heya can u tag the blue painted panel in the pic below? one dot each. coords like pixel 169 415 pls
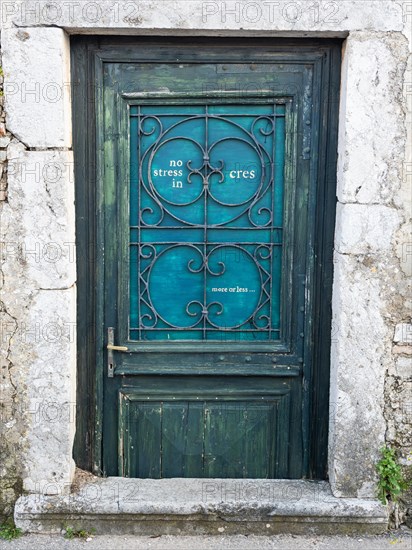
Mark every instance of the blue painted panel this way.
pixel 206 217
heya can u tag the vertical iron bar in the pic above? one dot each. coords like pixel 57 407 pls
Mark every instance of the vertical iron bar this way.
pixel 206 190
pixel 273 185
pixel 139 221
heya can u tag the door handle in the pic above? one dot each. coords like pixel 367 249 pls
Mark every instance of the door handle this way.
pixel 110 349
pixel 117 348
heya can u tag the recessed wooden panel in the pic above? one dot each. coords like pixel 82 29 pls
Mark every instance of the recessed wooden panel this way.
pixel 235 438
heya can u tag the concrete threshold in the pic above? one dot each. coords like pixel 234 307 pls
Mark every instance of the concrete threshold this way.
pixel 117 505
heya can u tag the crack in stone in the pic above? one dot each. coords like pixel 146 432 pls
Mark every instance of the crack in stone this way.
pixel 49 203
pixel 58 288
pixel 8 348
pixel 39 149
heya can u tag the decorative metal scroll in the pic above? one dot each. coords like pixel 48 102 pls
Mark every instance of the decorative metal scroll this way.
pixel 206 221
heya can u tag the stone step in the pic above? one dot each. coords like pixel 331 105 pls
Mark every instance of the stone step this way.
pixel 200 506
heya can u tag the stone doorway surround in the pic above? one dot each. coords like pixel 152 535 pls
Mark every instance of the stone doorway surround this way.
pixel 371 237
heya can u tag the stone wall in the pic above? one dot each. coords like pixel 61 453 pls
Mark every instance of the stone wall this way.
pixel 398 404
pixel 37 315
pixel 11 422
pixel 4 139
pixel 370 281
pixel 371 373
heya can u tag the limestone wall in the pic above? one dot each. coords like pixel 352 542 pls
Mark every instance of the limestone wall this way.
pixel 371 356
pixel 38 315
pixel 11 424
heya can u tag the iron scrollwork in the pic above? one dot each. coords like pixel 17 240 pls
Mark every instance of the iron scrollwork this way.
pixel 206 223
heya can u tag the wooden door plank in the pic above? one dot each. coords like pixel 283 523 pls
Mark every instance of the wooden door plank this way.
pixel 182 439
pixel 261 429
pixel 146 439
pixel 225 426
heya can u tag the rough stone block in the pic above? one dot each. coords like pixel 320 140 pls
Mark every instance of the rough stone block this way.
pixel 371 138
pixel 37 86
pixel 404 367
pixel 403 334
pixel 189 506
pixel 209 15
pixel 40 218
pixel 357 424
pixel 363 229
pixel 49 329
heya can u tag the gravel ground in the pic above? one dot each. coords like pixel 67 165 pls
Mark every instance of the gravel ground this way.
pixel 401 539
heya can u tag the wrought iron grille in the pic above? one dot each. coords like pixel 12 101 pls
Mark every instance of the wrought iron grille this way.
pixel 206 221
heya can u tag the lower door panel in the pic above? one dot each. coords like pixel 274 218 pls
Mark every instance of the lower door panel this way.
pixel 248 429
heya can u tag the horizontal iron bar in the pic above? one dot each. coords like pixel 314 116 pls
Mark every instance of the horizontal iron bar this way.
pixel 192 116
pixel 215 244
pixel 217 227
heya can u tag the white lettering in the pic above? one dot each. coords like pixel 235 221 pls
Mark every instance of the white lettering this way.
pixel 246 174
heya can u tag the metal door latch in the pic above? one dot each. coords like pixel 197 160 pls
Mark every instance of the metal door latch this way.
pixel 117 348
pixel 110 349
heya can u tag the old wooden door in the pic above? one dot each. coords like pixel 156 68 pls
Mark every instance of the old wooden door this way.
pixel 211 286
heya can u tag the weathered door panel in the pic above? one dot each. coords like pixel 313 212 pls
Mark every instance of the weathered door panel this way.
pixel 210 284
pixel 166 430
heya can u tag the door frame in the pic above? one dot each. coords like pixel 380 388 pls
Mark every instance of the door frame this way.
pixel 88 56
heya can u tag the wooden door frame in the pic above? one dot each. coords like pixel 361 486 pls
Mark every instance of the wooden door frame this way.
pixel 88 54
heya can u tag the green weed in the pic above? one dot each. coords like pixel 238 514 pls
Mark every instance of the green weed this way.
pixel 72 533
pixel 8 531
pixel 391 480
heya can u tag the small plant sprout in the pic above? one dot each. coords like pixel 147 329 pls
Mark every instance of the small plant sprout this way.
pixel 391 481
pixel 8 531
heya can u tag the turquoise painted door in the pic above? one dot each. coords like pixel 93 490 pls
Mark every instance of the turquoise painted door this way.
pixel 205 253
pixel 206 221
pixel 207 285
